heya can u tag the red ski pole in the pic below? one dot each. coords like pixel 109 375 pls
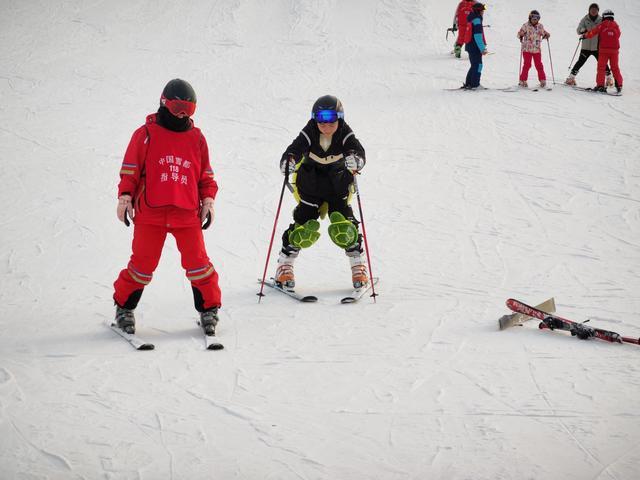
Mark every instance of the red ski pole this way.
pixel 364 235
pixel 273 232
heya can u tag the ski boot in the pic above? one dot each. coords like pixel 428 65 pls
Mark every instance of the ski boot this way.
pixel 543 83
pixel 209 320
pixel 359 276
pixel 571 80
pixel 457 50
pixel 619 89
pixel 600 89
pixel 523 84
pixel 284 273
pixel 609 82
pixel 125 320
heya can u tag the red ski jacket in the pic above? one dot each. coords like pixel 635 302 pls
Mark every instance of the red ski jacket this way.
pixel 609 34
pixel 168 174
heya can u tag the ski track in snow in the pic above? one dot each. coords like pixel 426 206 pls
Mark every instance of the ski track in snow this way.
pixel 469 198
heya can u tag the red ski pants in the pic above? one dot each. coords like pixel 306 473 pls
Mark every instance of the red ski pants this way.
pixel 148 241
pixel 610 56
pixel 537 60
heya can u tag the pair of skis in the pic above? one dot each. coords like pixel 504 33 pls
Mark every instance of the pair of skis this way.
pixel 593 90
pixel 137 342
pixel 353 297
pixel 578 329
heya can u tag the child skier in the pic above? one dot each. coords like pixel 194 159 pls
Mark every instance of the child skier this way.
pixel 531 35
pixel 166 181
pixel 323 160
pixel 609 52
pixel 460 23
pixel 589 46
pixel 475 45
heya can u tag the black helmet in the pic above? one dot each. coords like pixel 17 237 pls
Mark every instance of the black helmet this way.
pixel 607 14
pixel 327 109
pixel 534 14
pixel 179 98
pixel 479 7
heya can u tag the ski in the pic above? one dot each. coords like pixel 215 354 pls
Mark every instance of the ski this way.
pixel 592 90
pixel 506 321
pixel 290 292
pixel 211 342
pixel 358 293
pixel 580 330
pixel 518 88
pixel 134 340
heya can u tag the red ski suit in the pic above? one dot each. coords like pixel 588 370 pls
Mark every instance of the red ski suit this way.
pixel 462 12
pixel 608 50
pixel 167 174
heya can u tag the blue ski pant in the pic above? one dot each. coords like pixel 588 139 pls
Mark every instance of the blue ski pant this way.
pixel 475 70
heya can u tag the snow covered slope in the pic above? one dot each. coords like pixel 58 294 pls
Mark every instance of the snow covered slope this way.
pixel 469 198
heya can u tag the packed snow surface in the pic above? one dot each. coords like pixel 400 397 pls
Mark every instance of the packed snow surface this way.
pixel 469 198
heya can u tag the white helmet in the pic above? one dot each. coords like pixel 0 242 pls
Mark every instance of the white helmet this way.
pixel 607 14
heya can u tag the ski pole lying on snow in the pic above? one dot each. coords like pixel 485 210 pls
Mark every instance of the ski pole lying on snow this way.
pixel 275 224
pixel 364 236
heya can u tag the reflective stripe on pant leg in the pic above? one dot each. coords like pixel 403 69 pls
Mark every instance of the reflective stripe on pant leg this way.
pixel 199 269
pixel 147 244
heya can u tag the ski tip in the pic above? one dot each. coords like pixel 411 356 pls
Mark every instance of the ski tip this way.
pixel 215 346
pixel 309 299
pixel 147 346
pixel 348 300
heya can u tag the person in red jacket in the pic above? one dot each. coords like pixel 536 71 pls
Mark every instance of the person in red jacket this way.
pixel 609 50
pixel 460 24
pixel 167 186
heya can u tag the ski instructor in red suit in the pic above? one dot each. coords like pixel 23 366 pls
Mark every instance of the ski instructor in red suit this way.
pixel 167 186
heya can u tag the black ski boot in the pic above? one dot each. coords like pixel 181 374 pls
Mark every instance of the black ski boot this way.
pixel 125 320
pixel 209 320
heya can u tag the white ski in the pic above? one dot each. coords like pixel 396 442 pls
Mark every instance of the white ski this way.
pixel 292 293
pixel 358 293
pixel 135 341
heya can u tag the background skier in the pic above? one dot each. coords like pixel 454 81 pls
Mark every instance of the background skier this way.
pixel 589 46
pixel 460 23
pixel 166 180
pixel 531 35
pixel 323 159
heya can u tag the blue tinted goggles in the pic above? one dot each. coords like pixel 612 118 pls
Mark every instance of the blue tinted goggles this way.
pixel 327 116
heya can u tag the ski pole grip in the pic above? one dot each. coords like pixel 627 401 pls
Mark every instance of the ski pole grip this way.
pixel 126 218
pixel 207 221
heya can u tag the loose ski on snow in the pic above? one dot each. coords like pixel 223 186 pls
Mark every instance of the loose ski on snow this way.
pixel 358 293
pixel 580 330
pixel 290 292
pixel 506 321
pixel 134 340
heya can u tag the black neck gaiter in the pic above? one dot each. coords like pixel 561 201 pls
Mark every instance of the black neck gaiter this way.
pixel 171 122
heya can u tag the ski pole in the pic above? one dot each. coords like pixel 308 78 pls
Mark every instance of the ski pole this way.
pixel 275 224
pixel 364 235
pixel 553 78
pixel 574 53
pixel 520 67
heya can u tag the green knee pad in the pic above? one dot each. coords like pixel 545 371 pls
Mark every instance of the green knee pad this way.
pixel 303 236
pixel 343 232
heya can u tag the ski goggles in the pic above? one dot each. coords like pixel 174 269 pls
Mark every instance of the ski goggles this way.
pixel 534 17
pixel 327 116
pixel 179 108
